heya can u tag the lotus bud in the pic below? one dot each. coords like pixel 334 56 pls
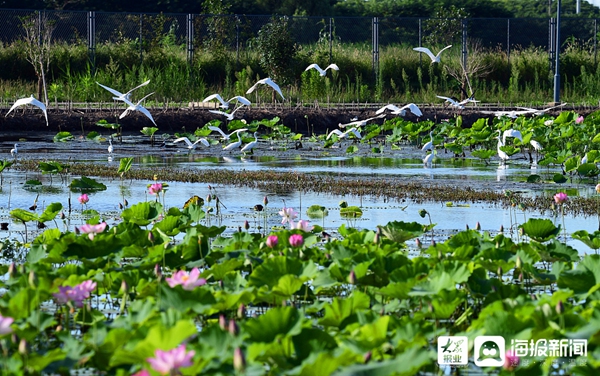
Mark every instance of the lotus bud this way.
pixel 328 256
pixel 560 307
pixel 126 202
pixel 21 269
pixel 59 328
pixel 518 263
pixel 376 238
pixel 62 216
pixel 208 198
pixel 239 362
pixel 352 277
pixel 467 227
pixel 418 243
pixel 221 284
pixel 246 225
pixel 158 272
pixel 120 206
pixel 533 297
pixel 124 287
pixel 501 228
pixel 494 288
pixel 521 231
pixel 209 187
pixel 32 279
pixel 433 243
pixel 478 226
pixel 239 228
pixel 14 338
pixel 222 322
pixel 12 269
pixel 265 201
pixel 272 241
pixel 23 347
pixel 521 277
pixel 151 237
pixel 499 272
pixel 422 213
pixel 367 357
pixel 233 328
pixel 430 307
pixel 382 311
pixel 76 230
pixel 241 312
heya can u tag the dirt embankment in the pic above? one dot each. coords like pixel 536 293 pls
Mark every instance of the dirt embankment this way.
pixel 305 120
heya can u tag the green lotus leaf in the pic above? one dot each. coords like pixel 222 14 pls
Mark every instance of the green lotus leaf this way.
pixel 571 164
pixel 540 230
pixel 316 212
pixel 63 137
pixel 584 277
pixel 169 225
pixel 400 232
pixel 51 167
pixel 149 131
pixel 50 212
pixel 142 213
pixel 445 276
pixel 534 178
pixel 5 164
pixel 591 240
pixel 340 309
pixel 276 323
pixel 409 362
pixel 351 149
pixel 23 215
pixel 351 212
pixel 125 165
pixel 86 184
pixel 104 123
pixel 588 170
pixel 483 153
pixel 270 271
pixel 559 178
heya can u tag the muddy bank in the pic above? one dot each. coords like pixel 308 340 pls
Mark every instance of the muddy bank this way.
pixel 305 120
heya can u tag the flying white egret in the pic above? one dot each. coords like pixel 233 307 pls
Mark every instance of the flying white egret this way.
pixel 429 145
pixel 523 111
pixel 321 71
pixel 360 123
pixel 395 110
pixel 14 151
pixel 120 96
pixel 341 134
pixel 224 103
pixel 225 136
pixel 228 116
pixel 452 102
pixel 251 145
pixel 434 58
pixel 235 145
pixel 266 81
pixel 137 107
pixel 32 101
pixel 189 143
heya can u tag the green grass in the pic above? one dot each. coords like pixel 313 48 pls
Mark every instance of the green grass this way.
pixel 403 76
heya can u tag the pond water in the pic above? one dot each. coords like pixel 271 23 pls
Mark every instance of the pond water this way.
pixel 238 202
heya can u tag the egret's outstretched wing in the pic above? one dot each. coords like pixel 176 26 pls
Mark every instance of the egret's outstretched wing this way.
pixel 217 129
pixel 217 97
pixel 137 87
pixel 336 132
pixel 414 109
pixel 442 50
pixel 275 87
pixel 187 141
pixel 242 100
pixel 333 66
pixel 426 51
pixel 391 107
pixel 317 67
pixel 113 91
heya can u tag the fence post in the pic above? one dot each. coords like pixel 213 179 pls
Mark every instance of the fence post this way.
pixel 141 36
pixel 420 41
pixel 375 40
pixel 464 43
pixel 595 40
pixel 190 38
pixel 237 43
pixel 508 40
pixel 557 49
pixel 551 43
pixel 91 36
pixel 330 40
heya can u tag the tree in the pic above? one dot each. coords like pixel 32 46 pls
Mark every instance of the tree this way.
pixel 277 48
pixel 36 43
pixel 445 25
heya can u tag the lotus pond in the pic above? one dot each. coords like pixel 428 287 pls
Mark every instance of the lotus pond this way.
pixel 346 268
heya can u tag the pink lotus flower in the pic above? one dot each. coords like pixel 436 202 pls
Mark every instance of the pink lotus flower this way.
pixel 303 225
pixel 142 373
pixel 188 281
pixel 560 198
pixel 92 230
pixel 511 361
pixel 288 215
pixel 272 241
pixel 76 294
pixel 296 240
pixel 155 188
pixel 169 362
pixel 83 199
pixel 5 323
pixel 579 120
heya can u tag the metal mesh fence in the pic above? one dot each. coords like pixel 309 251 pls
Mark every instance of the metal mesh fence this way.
pixel 197 31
